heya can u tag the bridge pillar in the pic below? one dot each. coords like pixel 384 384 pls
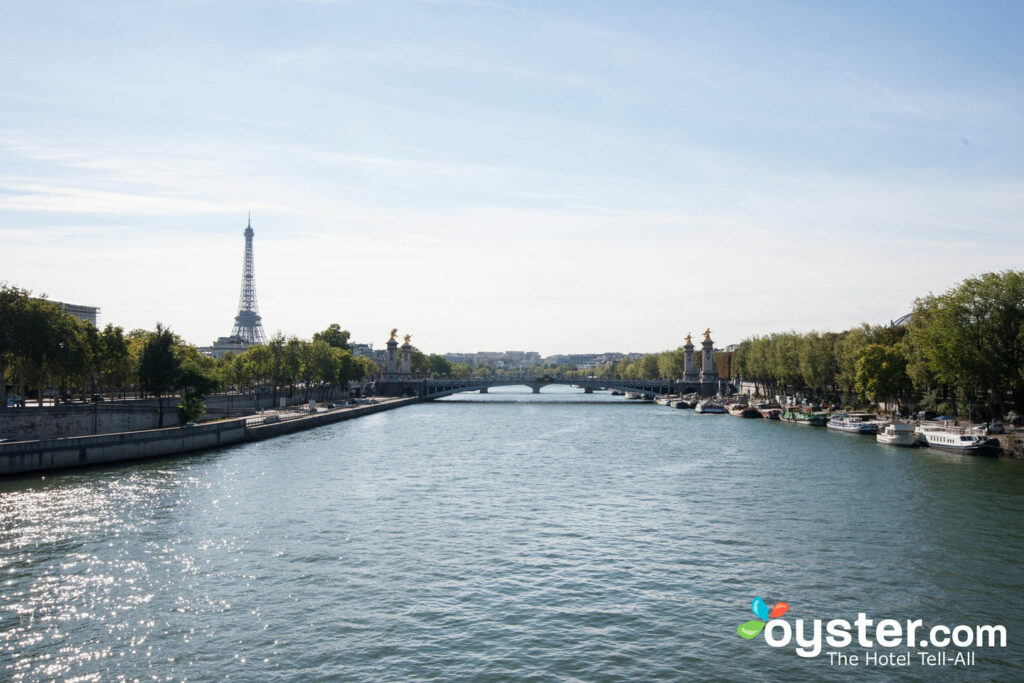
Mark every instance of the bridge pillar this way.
pixel 406 358
pixel 536 389
pixel 588 390
pixel 708 372
pixel 690 373
pixel 484 390
pixel 392 357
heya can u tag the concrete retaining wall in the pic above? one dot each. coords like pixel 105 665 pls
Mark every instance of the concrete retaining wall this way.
pixel 58 422
pixel 31 456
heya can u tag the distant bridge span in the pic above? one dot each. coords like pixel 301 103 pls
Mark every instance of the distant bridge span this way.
pixel 438 388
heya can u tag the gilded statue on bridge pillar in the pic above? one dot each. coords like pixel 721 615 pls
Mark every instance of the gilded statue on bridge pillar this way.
pixel 707 334
pixel 407 338
pixel 394 333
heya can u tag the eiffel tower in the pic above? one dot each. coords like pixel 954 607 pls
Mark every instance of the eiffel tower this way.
pixel 248 324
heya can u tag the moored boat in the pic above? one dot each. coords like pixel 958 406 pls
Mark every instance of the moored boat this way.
pixel 709 406
pixel 742 410
pixel 806 419
pixel 769 411
pixel 852 424
pixel 897 434
pixel 954 439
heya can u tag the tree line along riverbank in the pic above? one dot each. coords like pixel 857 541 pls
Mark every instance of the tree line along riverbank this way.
pixel 960 352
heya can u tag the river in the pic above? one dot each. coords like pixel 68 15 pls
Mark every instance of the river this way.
pixel 505 536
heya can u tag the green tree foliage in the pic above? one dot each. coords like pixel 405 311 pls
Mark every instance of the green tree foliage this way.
pixel 114 360
pixel 159 365
pixel 334 336
pixel 14 312
pixel 196 383
pixel 672 363
pixel 882 373
pixel 49 347
pixel 438 366
pixel 418 361
pixel 963 348
pixel 818 366
pixel 971 338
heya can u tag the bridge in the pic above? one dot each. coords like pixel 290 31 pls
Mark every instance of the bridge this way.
pixel 399 380
pixel 438 388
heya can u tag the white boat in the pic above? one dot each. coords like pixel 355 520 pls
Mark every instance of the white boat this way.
pixel 709 407
pixel 897 434
pixel 954 439
pixel 852 424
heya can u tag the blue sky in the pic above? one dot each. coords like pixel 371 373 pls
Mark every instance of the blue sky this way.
pixel 494 175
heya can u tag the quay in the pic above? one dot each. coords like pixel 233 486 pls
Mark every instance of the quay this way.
pixel 20 457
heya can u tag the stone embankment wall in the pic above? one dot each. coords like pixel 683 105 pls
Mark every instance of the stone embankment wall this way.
pixel 31 456
pixel 58 422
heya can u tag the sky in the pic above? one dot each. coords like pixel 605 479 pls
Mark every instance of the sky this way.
pixel 562 177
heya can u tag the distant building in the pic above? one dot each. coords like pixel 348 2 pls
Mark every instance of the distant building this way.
pixel 497 359
pixel 468 358
pixel 367 351
pixel 225 345
pixel 90 313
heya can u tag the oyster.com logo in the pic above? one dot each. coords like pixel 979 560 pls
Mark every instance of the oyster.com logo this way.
pixel 883 642
pixel 760 609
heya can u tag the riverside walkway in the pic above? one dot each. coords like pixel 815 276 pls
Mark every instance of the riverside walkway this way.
pixel 19 457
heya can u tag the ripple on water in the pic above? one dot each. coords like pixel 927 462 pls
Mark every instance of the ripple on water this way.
pixel 496 540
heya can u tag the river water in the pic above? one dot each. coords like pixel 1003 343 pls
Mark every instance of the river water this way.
pixel 504 537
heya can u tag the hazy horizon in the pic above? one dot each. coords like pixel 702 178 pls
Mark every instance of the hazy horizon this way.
pixel 490 176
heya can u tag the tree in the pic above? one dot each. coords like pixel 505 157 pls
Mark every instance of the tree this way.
pixel 114 361
pixel 369 368
pixel 39 345
pixel 672 363
pixel 14 303
pixel 159 366
pixel 196 383
pixel 847 351
pixel 817 360
pixel 334 337
pixel 275 361
pixel 417 361
pixel 972 338
pixel 320 364
pixel 73 352
pixel 647 367
pixel 881 373
pixel 438 366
